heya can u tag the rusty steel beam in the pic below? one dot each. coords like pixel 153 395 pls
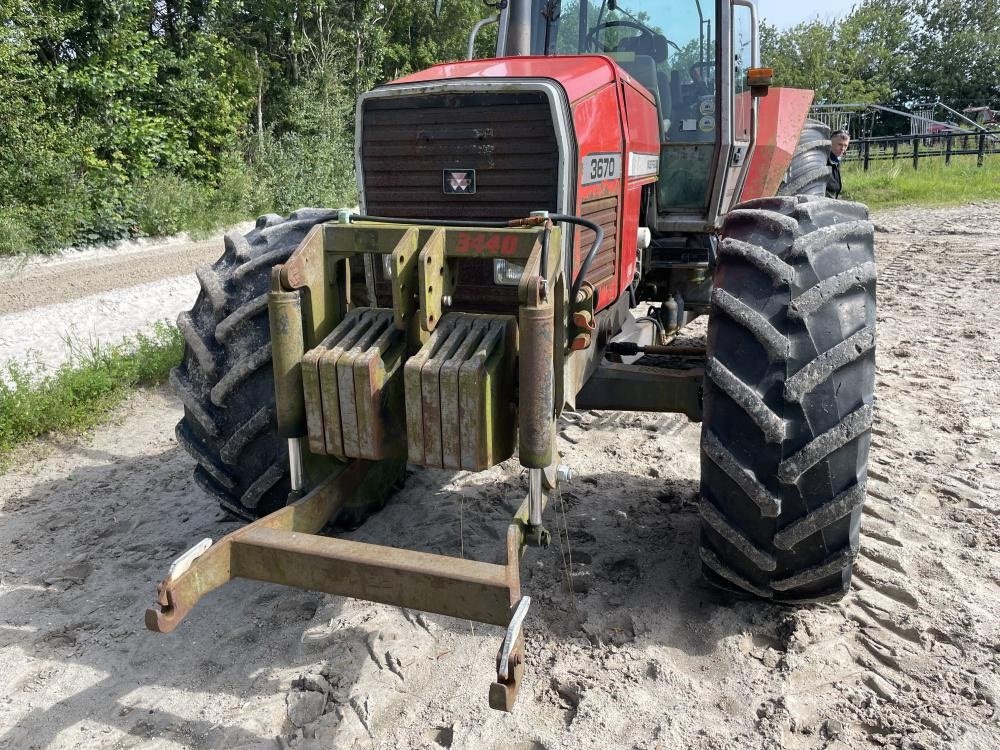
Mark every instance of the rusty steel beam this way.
pixel 416 580
pixel 283 548
pixel 621 387
pixel 177 594
pixel 673 351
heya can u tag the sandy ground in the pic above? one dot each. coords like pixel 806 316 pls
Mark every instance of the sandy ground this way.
pixel 638 654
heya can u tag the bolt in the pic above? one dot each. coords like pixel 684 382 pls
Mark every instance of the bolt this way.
pixel 565 473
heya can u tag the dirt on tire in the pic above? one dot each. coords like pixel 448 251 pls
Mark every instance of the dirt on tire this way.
pixel 626 645
pixel 789 385
pixel 225 380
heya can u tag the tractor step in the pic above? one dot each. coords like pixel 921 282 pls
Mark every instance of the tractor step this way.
pixel 284 548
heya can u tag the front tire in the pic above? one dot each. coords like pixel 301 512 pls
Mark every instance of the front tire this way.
pixel 225 379
pixel 789 393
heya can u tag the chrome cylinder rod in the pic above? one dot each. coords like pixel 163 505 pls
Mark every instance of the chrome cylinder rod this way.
pixel 295 462
pixel 535 497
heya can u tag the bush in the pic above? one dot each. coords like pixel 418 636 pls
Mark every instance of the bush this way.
pixel 15 235
pixel 312 164
pixel 168 204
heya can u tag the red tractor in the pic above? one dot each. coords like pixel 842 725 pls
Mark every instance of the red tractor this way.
pixel 534 231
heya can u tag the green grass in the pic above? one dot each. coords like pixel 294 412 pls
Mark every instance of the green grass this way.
pixel 81 392
pixel 888 184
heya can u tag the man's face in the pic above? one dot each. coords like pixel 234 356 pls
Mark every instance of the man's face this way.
pixel 839 145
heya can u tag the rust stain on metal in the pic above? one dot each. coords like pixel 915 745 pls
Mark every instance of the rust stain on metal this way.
pixel 353 380
pixel 404 274
pixel 459 393
pixel 435 281
pixel 283 548
pixel 535 385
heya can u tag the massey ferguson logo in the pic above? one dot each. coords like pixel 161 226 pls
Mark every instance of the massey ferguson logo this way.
pixel 459 182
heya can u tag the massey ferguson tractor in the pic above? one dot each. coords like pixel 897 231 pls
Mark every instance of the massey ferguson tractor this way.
pixel 534 231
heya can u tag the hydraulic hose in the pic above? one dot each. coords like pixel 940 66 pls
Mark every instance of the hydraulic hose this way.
pixel 591 254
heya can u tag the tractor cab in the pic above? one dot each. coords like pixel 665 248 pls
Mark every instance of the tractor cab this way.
pixel 672 49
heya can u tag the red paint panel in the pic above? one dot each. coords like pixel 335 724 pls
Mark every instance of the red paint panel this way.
pixel 642 136
pixel 579 75
pixel 780 116
pixel 612 115
pixel 643 128
pixel 597 123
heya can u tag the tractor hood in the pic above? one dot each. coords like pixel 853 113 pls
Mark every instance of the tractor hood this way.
pixel 579 75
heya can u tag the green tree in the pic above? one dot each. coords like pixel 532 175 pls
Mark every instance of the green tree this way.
pixel 955 47
pixel 860 58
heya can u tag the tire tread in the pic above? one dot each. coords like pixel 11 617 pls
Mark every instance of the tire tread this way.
pixel 788 401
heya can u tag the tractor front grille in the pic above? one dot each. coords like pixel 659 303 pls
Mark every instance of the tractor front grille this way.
pixel 507 138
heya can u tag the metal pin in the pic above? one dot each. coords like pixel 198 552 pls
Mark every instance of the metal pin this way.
pixel 535 497
pixel 295 462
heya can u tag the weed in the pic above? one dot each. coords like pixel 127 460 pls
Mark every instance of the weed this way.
pixel 81 392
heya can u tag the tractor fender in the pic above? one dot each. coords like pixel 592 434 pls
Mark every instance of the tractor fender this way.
pixel 780 117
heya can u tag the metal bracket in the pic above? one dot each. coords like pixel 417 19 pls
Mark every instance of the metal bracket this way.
pixel 510 661
pixel 512 634
pixel 404 266
pixel 284 548
pixel 435 280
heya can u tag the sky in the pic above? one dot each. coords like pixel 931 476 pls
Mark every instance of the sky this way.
pixel 786 13
pixel 781 13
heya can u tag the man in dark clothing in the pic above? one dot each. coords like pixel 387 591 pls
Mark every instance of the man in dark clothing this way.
pixel 839 142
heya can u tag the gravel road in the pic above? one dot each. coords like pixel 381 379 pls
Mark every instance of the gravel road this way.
pixel 50 306
pixel 639 654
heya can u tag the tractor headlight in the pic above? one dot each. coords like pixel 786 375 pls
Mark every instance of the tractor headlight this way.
pixel 506 273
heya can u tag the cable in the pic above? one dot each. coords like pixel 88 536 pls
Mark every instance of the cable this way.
pixel 655 321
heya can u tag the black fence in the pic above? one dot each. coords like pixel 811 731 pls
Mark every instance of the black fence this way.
pixel 917 147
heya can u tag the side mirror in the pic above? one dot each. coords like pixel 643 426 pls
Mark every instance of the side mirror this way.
pixel 759 80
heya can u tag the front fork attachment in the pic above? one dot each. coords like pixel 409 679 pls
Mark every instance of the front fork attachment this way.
pixel 284 547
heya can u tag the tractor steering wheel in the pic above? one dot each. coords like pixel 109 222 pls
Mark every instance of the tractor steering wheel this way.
pixel 644 31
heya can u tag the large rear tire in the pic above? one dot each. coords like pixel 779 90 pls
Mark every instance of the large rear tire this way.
pixel 788 400
pixel 809 171
pixel 225 380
